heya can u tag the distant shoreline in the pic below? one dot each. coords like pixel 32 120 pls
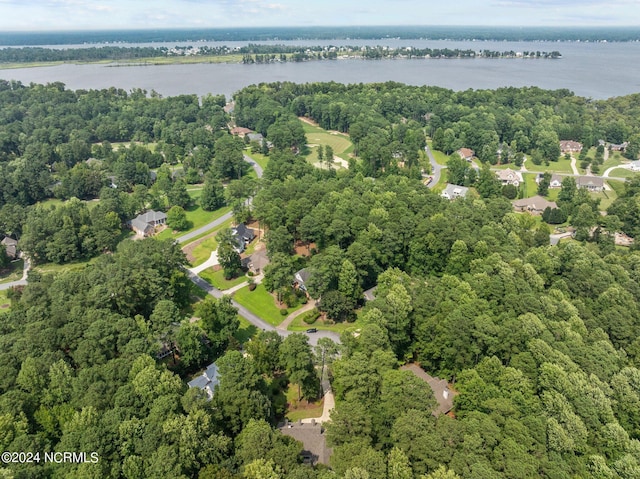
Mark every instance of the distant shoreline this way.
pixel 381 33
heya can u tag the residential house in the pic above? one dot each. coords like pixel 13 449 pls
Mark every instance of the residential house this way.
pixel 300 279
pixel 11 247
pixel 535 205
pixel 240 131
pixel 207 381
pixel 257 137
pixel 556 180
pixel 229 107
pixel 570 146
pixel 145 224
pixel 619 147
pixel 242 236
pixel 509 177
pixel 451 192
pixel 441 392
pixel 313 439
pixel 466 153
pixel 591 183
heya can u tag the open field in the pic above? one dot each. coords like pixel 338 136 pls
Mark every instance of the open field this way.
pixel 196 215
pixel 606 198
pixel 261 303
pixel 53 268
pixel 14 272
pixel 340 142
pixel 615 159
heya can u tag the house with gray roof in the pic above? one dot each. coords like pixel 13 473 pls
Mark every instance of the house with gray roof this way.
pixel 451 192
pixel 300 278
pixel 441 392
pixel 207 381
pixel 313 438
pixel 242 236
pixel 534 205
pixel 590 183
pixel 11 247
pixel 145 224
pixel 255 137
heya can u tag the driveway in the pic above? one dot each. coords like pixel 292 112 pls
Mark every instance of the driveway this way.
pixel 436 169
pixel 19 282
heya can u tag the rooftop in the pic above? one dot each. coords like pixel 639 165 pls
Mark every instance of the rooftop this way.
pixel 440 389
pixel 313 440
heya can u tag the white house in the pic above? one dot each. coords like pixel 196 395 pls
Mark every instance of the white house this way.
pixel 207 381
pixel 451 192
pixel 509 177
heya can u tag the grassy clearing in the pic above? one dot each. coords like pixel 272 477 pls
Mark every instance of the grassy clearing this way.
pixel 5 303
pixel 246 331
pixel 197 216
pixel 622 173
pixel 216 279
pixel 560 166
pixel 530 185
pixel 259 158
pixel 53 268
pixel 439 156
pixel 261 303
pixel 617 186
pixel 615 159
pixel 299 325
pixel 606 198
pixel 13 273
pixel 340 142
pixel 301 409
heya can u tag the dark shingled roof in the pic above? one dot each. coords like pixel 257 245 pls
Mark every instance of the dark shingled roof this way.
pixel 313 439
pixel 440 389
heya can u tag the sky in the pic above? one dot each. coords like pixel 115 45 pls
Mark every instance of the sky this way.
pixel 33 15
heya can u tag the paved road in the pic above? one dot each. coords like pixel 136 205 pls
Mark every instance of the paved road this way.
pixel 436 169
pixel 256 320
pixel 223 218
pixel 19 282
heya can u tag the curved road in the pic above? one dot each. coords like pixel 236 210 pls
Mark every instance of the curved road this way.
pixel 436 169
pixel 254 319
pixel 19 282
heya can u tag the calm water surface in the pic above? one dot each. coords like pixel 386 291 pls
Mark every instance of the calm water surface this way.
pixel 595 70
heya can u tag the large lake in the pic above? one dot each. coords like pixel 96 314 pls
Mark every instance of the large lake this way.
pixel 594 70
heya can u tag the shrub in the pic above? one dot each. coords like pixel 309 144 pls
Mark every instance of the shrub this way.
pixel 252 286
pixel 284 312
pixel 311 316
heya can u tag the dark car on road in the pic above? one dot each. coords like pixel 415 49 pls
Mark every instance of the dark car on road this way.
pixel 312 330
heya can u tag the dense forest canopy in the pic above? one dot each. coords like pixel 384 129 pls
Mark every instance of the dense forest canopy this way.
pixel 540 343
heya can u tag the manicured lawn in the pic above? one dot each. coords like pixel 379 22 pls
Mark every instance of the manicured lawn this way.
pixel 14 272
pixel 261 303
pixel 259 158
pixel 439 156
pixel 606 198
pixel 530 185
pixel 246 330
pixel 301 410
pixel 622 173
pixel 5 304
pixel 615 159
pixel 299 325
pixel 197 216
pixel 216 279
pixel 340 142
pixel 617 186
pixel 560 166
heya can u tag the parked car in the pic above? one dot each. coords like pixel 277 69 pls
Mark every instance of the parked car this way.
pixel 312 330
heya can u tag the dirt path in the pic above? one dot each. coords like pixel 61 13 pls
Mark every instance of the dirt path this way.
pixel 307 120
